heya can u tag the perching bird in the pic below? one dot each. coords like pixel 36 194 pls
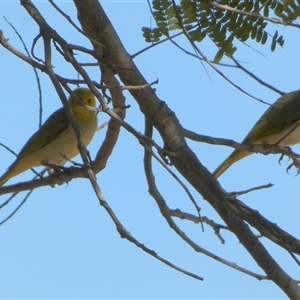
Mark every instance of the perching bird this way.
pixel 280 124
pixel 56 137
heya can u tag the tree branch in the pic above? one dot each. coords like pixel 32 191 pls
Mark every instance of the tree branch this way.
pixel 165 121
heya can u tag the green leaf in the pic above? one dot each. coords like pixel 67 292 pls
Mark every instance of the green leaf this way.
pixel 146 30
pixel 256 5
pixel 266 11
pixel 211 27
pixel 259 34
pixel 259 22
pixel 231 52
pixel 249 5
pixel 279 8
pixel 197 35
pixel 165 4
pixel 241 5
pixel 239 21
pixel 230 38
pixel 170 12
pixel 280 41
pixel 264 38
pixel 163 28
pixel 253 32
pixel 273 45
pixel 219 14
pixel 188 27
pixel 274 41
pixel 227 16
pixel 174 27
pixel 218 56
pixel 159 16
pixel 172 21
pixel 227 48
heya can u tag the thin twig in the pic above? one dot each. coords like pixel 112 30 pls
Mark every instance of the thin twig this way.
pixel 35 40
pixel 17 208
pixel 257 78
pixel 239 193
pixel 22 202
pixel 198 209
pixel 35 72
pixel 255 148
pixel 187 216
pixel 73 24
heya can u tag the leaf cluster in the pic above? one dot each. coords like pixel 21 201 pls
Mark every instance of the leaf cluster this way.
pixel 202 19
pixel 289 10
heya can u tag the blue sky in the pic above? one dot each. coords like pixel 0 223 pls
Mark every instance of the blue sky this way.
pixel 62 244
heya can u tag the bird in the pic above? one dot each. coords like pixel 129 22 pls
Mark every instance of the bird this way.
pixel 280 125
pixel 55 141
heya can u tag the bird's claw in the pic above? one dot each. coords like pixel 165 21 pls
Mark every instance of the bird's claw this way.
pixel 280 158
pixel 282 155
pixel 296 163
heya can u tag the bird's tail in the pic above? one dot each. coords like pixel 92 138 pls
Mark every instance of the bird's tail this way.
pixel 235 156
pixel 5 177
pixel 15 169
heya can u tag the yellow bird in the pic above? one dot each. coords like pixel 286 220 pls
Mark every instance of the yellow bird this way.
pixel 56 137
pixel 280 124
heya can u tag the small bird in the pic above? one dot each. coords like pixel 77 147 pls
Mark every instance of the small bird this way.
pixel 280 124
pixel 55 140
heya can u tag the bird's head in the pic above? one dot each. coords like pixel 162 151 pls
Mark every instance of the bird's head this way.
pixel 85 95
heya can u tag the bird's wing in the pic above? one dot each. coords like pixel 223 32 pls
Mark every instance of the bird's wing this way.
pixel 54 126
pixel 284 113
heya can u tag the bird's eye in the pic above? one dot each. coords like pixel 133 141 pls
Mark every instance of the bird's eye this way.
pixel 89 100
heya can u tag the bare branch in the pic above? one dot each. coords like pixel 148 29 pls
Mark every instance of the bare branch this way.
pixel 267 228
pixel 186 216
pixel 165 121
pixel 17 208
pixel 257 78
pixel 239 193
pixel 255 148
pixel 165 211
